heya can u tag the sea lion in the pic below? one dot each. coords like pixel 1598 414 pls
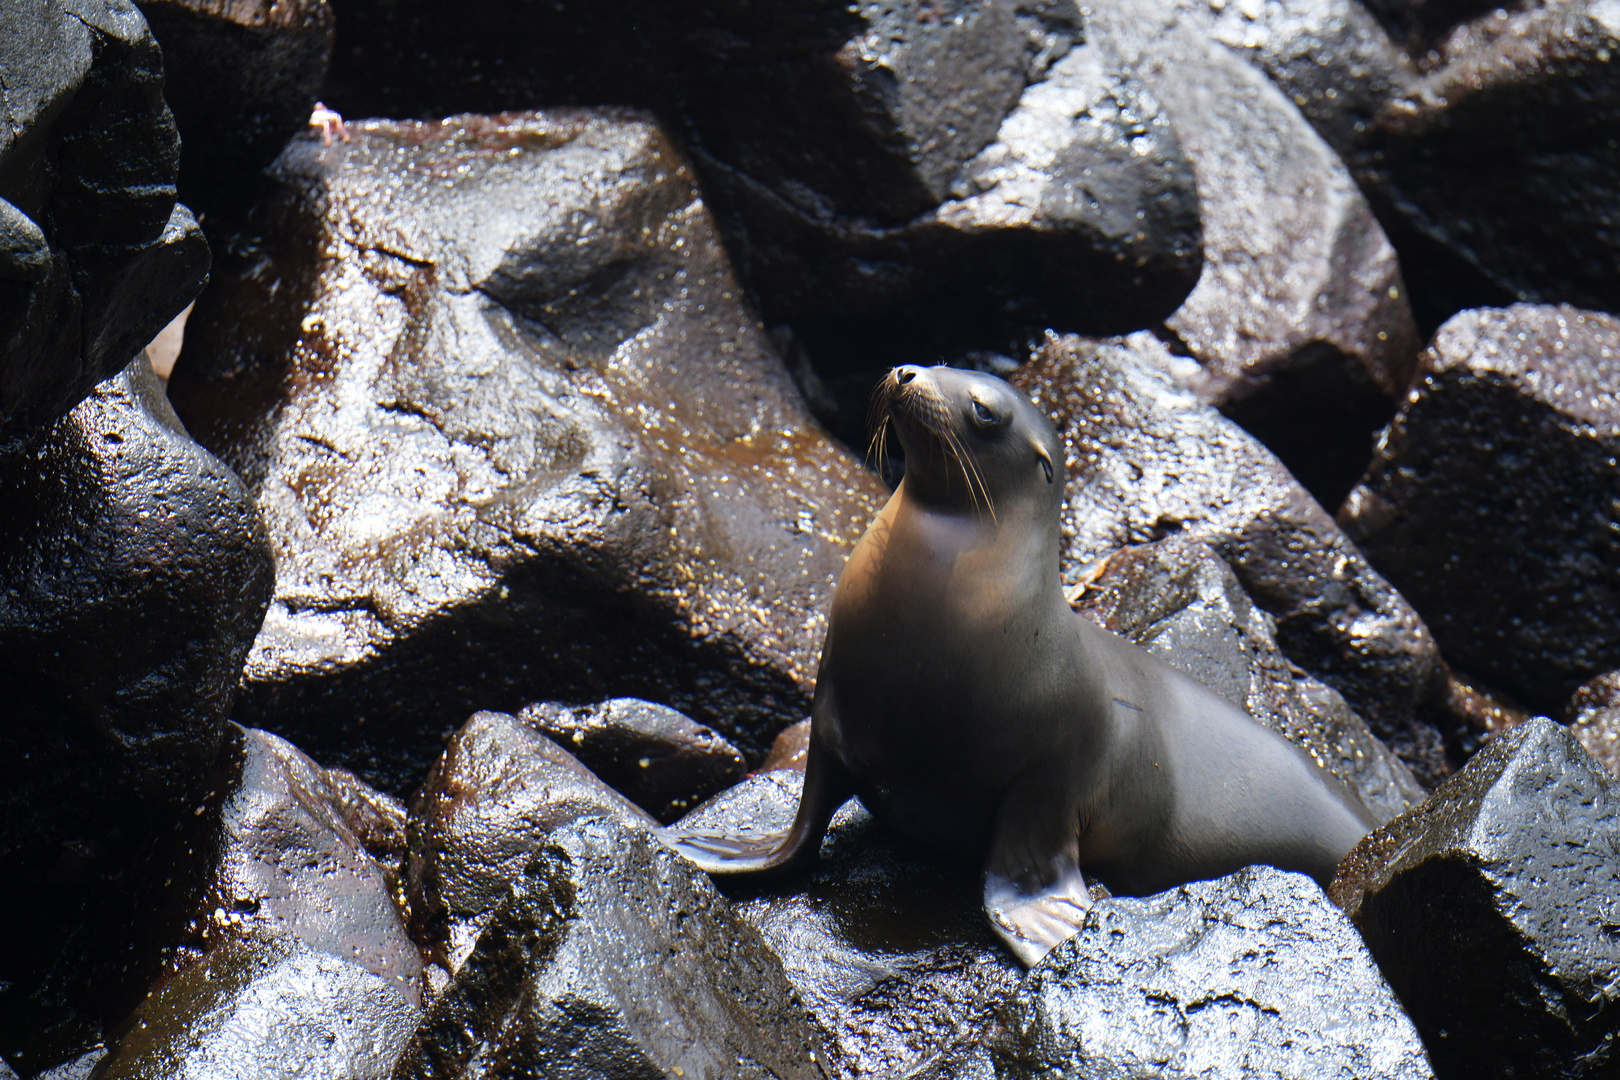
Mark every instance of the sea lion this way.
pixel 970 707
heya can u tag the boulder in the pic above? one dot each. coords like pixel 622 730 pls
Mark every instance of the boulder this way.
pixel 1297 274
pixel 130 553
pixel 1491 910
pixel 499 789
pixel 578 945
pixel 658 757
pixel 241 78
pixel 1505 152
pixel 516 438
pixel 1254 974
pixel 275 854
pixel 1145 459
pixel 888 947
pixel 133 576
pixel 1501 470
pixel 1180 601
pixel 262 1009
pixel 95 255
pixel 1331 58
pixel 1081 211
pixel 1594 719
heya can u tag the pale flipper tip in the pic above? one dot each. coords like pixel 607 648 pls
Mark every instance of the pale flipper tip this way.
pixel 1033 922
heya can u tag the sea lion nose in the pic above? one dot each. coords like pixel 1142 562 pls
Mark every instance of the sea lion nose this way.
pixel 903 375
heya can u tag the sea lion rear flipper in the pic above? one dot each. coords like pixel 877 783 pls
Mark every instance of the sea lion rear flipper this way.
pixel 826 788
pixel 1034 892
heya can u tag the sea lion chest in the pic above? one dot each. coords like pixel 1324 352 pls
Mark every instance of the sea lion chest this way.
pixel 948 667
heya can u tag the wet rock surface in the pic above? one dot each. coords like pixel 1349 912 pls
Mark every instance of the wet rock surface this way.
pixel 515 437
pixel 1255 974
pixel 579 945
pixel 1594 719
pixel 260 1008
pixel 1180 601
pixel 130 555
pixel 887 946
pixel 133 576
pixel 1505 153
pixel 658 757
pixel 1295 266
pixel 95 256
pixel 240 77
pixel 1491 910
pixel 1501 468
pixel 1146 459
pixel 1331 58
pixel 499 790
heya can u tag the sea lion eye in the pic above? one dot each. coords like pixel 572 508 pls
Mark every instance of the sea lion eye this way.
pixel 982 412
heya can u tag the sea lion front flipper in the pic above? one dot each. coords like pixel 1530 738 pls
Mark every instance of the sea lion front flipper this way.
pixel 1034 893
pixel 826 788
pixel 1034 921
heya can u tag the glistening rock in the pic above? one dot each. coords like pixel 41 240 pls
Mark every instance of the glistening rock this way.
pixel 1492 910
pixel 1180 601
pixel 1146 459
pixel 887 945
pixel 1501 468
pixel 1254 974
pixel 95 255
pixel 515 437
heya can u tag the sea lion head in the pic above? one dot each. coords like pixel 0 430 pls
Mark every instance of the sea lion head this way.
pixel 972 442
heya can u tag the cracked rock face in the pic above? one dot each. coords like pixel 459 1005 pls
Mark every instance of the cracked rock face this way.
pixel 1254 974
pixel 1501 468
pixel 241 77
pixel 569 941
pixel 658 757
pixel 1491 910
pixel 515 437
pixel 887 946
pixel 95 255
pixel 1505 153
pixel 1180 601
pixel 1146 459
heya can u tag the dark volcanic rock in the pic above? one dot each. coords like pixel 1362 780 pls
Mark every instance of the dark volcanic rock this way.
pixel 1179 600
pixel 1594 719
pixel 1419 24
pixel 95 256
pixel 261 1010
pixel 1494 500
pixel 1255 974
pixel 285 949
pixel 279 857
pixel 1296 269
pixel 516 438
pixel 1331 58
pixel 1507 155
pixel 580 946
pixel 1145 459
pixel 663 761
pixel 241 77
pixel 133 576
pixel 888 947
pixel 1082 211
pixel 485 809
pixel 1492 910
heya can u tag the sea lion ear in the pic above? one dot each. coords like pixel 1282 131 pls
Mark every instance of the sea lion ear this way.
pixel 1046 461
